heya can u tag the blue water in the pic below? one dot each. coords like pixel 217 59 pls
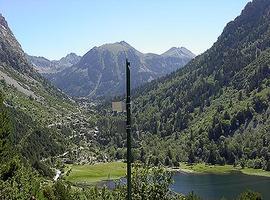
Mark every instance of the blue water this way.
pixel 212 186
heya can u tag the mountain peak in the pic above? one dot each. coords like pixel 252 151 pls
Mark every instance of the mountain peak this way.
pixel 71 55
pixel 124 43
pixel 46 66
pixel 116 47
pixel 3 21
pixel 116 44
pixel 178 51
pixel 69 59
pixel 11 52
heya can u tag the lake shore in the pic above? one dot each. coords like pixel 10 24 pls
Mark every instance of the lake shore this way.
pixel 202 168
pixel 92 174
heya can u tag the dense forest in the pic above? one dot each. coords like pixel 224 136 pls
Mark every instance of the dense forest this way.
pixel 214 110
pixel 22 176
pixel 19 181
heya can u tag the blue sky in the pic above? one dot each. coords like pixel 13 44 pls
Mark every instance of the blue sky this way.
pixel 54 28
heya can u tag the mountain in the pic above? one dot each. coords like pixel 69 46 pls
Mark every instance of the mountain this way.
pixel 46 66
pixel 215 109
pixel 179 52
pixel 10 51
pixel 101 71
pixel 16 71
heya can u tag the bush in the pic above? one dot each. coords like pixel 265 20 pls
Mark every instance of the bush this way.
pixel 250 195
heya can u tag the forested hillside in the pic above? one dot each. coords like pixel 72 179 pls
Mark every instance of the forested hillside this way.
pixel 17 180
pixel 39 125
pixel 215 109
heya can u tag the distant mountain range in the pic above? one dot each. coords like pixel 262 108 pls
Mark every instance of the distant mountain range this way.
pixel 101 71
pixel 46 66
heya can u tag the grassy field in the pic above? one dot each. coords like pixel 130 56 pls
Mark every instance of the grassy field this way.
pixel 89 174
pixel 256 172
pixel 217 169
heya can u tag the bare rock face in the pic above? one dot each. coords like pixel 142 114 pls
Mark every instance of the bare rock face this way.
pixel 11 53
pixel 16 70
pixel 3 22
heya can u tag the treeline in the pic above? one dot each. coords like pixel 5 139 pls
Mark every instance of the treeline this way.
pixel 229 131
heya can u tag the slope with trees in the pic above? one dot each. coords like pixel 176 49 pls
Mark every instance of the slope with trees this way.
pixel 215 109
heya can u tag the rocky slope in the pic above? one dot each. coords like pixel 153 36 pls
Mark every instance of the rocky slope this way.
pixel 11 53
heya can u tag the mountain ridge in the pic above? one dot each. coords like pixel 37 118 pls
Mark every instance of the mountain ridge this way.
pixel 101 70
pixel 177 51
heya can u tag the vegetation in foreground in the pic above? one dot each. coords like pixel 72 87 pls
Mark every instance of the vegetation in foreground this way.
pixel 148 184
pixel 19 181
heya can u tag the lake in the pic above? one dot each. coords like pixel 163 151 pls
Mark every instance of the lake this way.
pixel 216 186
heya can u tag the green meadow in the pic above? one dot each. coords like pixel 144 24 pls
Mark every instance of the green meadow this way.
pixel 89 174
pixel 221 169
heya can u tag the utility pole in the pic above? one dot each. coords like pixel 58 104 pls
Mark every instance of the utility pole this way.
pixel 128 128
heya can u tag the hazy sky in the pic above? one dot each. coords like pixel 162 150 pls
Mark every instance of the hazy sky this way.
pixel 53 28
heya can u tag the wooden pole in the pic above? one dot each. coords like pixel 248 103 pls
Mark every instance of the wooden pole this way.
pixel 128 129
